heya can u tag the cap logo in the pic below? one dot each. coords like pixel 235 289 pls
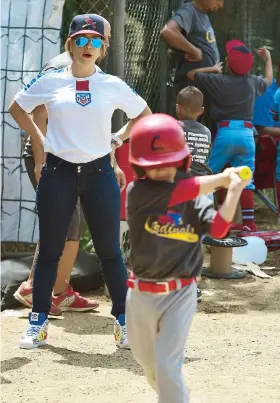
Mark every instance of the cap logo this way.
pixel 89 21
pixel 210 36
pixel 154 148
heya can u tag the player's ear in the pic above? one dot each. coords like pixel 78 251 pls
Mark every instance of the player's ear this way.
pixel 201 111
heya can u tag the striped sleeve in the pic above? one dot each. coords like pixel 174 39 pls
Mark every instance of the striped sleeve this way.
pixel 33 94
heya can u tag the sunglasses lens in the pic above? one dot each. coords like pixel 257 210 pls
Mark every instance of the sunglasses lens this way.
pixel 81 41
pixel 96 43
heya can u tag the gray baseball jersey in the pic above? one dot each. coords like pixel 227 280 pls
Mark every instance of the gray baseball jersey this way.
pixel 243 91
pixel 198 30
pixel 165 241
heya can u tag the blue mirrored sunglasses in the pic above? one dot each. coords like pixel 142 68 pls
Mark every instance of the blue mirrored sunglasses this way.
pixel 83 41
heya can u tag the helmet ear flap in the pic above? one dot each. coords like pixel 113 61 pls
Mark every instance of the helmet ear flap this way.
pixel 188 162
pixel 140 172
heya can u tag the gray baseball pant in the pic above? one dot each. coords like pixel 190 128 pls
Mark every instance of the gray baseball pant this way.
pixel 157 329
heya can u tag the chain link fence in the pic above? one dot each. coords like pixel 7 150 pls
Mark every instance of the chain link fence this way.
pixel 149 66
pixel 73 7
pixel 256 22
pixel 145 54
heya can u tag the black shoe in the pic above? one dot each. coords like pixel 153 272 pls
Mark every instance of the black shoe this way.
pixel 198 294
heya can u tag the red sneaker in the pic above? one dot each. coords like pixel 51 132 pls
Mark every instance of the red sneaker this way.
pixel 70 300
pixel 24 295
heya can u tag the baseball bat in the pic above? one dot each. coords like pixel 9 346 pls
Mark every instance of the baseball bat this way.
pixel 245 173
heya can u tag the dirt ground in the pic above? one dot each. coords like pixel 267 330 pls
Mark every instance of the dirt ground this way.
pixel 232 354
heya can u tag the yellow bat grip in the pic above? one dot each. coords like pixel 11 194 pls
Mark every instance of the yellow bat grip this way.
pixel 245 173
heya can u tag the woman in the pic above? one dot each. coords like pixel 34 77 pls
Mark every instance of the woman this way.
pixel 80 100
pixel 64 297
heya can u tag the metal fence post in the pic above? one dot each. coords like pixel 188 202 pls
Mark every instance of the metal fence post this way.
pixel 117 52
pixel 163 77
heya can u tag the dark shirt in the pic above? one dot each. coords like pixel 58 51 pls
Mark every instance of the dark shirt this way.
pixel 56 63
pixel 198 138
pixel 165 241
pixel 197 29
pixel 231 97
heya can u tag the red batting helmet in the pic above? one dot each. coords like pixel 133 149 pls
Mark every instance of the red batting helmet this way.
pixel 158 141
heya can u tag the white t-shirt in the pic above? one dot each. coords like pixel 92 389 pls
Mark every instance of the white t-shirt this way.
pixel 79 111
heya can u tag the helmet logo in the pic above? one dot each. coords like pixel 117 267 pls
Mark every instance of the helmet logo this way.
pixel 154 148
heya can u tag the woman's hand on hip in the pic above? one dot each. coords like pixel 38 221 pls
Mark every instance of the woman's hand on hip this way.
pixel 37 171
pixel 120 176
pixel 112 154
pixel 39 165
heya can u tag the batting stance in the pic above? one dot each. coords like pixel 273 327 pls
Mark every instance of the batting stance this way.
pixel 167 218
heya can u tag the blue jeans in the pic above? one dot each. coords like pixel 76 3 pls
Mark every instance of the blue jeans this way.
pixel 59 187
pixel 235 146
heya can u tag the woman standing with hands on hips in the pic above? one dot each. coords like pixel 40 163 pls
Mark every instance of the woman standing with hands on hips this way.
pixel 80 100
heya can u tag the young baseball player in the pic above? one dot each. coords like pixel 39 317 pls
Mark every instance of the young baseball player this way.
pixel 189 107
pixel 167 217
pixel 232 97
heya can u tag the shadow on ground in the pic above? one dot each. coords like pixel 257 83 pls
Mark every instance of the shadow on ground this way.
pixel 11 364
pixel 90 324
pixel 120 359
pixel 239 296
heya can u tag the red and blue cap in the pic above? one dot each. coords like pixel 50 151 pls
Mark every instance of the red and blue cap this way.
pixel 240 58
pixel 87 24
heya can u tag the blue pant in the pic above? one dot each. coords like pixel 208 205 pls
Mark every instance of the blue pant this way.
pixel 278 164
pixel 235 146
pixel 59 187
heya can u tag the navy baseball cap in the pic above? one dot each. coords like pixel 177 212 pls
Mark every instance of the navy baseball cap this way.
pixel 87 24
pixel 240 58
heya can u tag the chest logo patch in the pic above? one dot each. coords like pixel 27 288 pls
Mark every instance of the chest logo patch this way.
pixel 210 36
pixel 83 98
pixel 171 226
